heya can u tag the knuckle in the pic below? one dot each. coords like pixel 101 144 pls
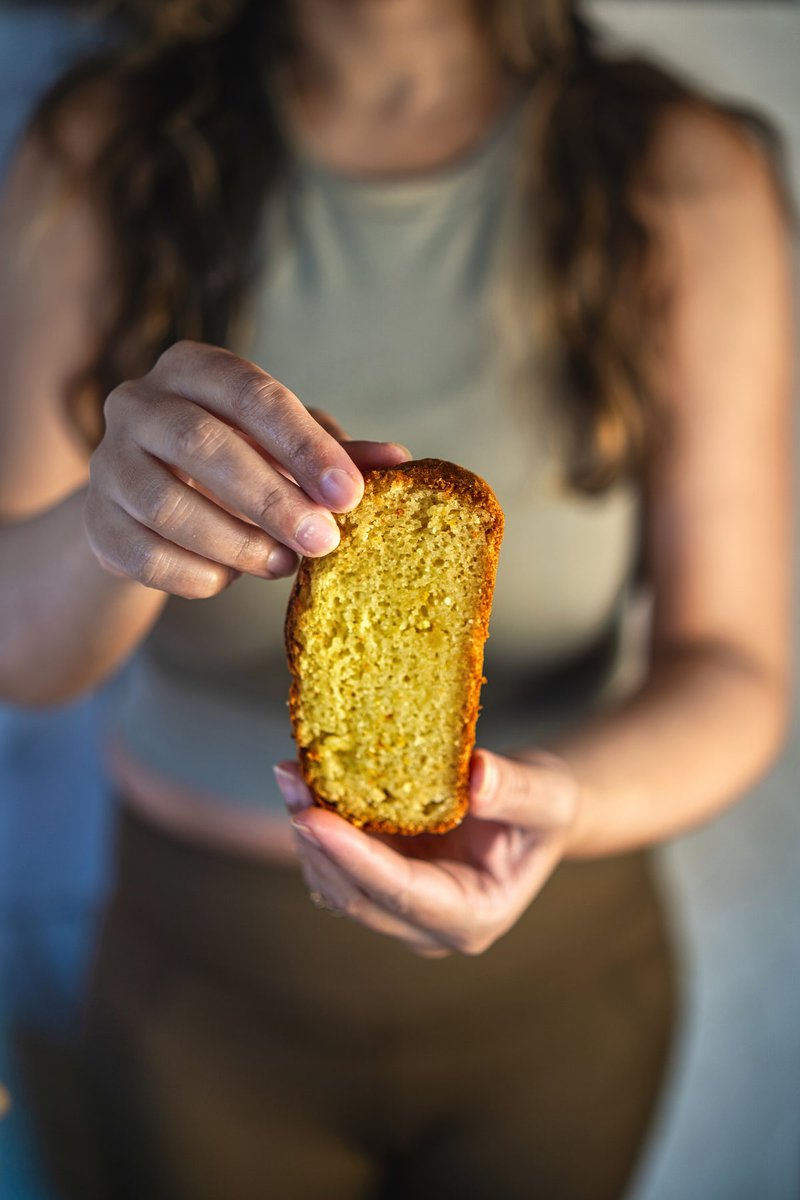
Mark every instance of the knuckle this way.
pixel 195 438
pixel 306 448
pixel 397 901
pixel 95 523
pixel 159 503
pixel 251 546
pixel 474 944
pixel 254 395
pixel 107 560
pixel 104 549
pixel 175 353
pixel 119 400
pixel 149 565
pixel 269 509
pixel 483 929
pixel 202 587
pixel 96 466
pixel 154 567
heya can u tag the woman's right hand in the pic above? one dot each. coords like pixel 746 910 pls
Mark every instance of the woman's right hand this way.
pixel 209 468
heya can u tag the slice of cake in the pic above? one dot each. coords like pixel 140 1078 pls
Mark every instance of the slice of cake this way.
pixel 385 637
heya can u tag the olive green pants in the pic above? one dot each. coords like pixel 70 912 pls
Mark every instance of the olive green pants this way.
pixel 245 1045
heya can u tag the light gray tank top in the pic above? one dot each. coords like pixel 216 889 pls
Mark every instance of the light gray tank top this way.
pixel 376 302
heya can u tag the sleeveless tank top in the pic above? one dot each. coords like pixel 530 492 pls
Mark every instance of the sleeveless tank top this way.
pixel 376 301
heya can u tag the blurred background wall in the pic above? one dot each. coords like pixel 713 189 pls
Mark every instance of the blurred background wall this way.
pixel 730 1124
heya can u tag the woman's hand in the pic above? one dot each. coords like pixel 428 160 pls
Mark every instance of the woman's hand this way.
pixel 439 894
pixel 209 468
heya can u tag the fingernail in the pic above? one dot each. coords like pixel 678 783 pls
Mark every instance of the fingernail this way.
pixel 317 534
pixel 482 777
pixel 340 490
pixel 404 450
pixel 291 789
pixel 306 833
pixel 281 561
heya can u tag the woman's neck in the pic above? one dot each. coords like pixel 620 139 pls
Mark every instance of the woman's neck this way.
pixel 390 86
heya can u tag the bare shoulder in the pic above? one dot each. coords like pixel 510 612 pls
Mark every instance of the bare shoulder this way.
pixel 64 142
pixel 52 234
pixel 698 150
pixel 711 169
pixel 714 199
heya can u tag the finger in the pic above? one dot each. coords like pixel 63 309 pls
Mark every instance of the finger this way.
pixel 292 786
pixel 181 434
pixel 419 892
pixel 365 454
pixel 539 793
pixel 241 392
pixel 370 455
pixel 483 911
pixel 181 514
pixel 338 893
pixel 460 906
pixel 124 547
pixel 453 902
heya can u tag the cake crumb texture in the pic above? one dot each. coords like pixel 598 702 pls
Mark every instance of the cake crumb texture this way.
pixel 385 641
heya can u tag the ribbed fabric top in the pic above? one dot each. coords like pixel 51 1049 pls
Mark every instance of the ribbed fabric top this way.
pixel 377 302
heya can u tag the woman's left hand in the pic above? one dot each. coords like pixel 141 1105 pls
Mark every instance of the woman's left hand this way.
pixel 439 894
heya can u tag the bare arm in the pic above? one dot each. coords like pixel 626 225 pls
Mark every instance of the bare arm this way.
pixel 64 622
pixel 713 711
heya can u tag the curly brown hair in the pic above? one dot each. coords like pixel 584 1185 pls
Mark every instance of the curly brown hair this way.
pixel 195 146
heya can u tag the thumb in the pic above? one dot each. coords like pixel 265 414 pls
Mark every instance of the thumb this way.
pixel 539 792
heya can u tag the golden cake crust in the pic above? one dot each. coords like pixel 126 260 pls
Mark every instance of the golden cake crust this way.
pixel 449 479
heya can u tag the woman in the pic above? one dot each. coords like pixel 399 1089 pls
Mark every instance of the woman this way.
pixel 456 226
